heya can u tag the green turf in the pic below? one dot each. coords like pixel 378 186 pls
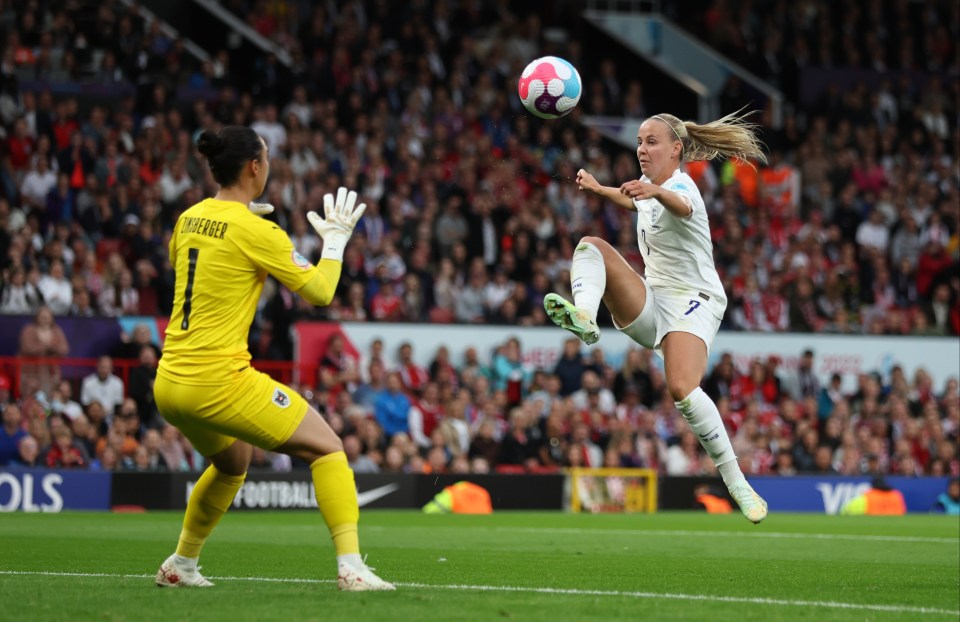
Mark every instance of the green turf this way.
pixel 499 567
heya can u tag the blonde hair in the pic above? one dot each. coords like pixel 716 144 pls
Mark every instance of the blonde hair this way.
pixel 730 136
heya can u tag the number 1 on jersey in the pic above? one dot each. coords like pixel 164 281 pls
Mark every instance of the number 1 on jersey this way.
pixel 193 254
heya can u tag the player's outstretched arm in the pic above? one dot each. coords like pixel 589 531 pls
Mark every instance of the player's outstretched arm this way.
pixel 676 204
pixel 342 215
pixel 588 182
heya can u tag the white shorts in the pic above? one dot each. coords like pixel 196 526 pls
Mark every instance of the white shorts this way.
pixel 673 311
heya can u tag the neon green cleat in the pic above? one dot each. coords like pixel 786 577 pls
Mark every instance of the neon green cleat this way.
pixel 566 315
pixel 751 504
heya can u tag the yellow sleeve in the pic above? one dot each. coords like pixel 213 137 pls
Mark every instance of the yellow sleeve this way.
pixel 320 289
pixel 270 249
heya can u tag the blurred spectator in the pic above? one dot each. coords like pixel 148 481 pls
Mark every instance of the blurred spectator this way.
pixel 485 445
pixel 64 453
pixel 593 396
pixel 949 502
pixel 131 345
pixel 425 415
pixel 42 338
pixel 359 462
pixel 140 387
pixel 338 370
pixel 414 376
pixel 61 402
pixel 804 383
pixel 18 295
pixel 103 387
pixel 4 390
pixel 56 290
pixel 28 456
pixel 120 298
pixel 392 407
pixel 570 367
pixel 519 446
pixel 148 456
pixel 11 434
pixel 172 450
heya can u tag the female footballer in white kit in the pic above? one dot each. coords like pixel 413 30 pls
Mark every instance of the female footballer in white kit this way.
pixel 676 310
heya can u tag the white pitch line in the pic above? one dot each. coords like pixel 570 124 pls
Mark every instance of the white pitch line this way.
pixel 730 534
pixel 544 590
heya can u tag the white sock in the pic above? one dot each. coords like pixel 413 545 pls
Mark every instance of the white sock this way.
pixel 588 278
pixel 730 472
pixel 187 563
pixel 704 418
pixel 351 559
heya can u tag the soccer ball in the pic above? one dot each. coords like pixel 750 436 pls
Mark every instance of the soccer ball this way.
pixel 550 87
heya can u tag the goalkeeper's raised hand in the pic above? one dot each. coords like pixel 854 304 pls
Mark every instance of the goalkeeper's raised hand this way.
pixel 340 218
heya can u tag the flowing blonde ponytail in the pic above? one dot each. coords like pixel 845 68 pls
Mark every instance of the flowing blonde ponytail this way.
pixel 731 136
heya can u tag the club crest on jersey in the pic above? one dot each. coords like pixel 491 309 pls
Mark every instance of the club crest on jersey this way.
pixel 655 212
pixel 299 260
pixel 280 398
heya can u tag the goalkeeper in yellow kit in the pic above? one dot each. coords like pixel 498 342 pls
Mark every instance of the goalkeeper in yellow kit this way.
pixel 222 252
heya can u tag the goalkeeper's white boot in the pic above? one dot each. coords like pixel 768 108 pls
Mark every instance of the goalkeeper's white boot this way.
pixel 751 504
pixel 173 574
pixel 360 578
pixel 565 315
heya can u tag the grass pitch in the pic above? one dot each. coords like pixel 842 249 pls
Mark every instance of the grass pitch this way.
pixel 508 566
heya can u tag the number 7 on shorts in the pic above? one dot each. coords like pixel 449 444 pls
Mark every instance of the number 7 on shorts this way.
pixel 693 306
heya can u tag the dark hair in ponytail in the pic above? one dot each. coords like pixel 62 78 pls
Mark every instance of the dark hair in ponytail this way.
pixel 229 151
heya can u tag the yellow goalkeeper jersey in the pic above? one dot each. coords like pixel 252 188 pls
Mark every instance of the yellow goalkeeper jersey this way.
pixel 221 253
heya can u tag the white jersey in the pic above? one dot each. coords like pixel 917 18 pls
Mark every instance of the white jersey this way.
pixel 678 252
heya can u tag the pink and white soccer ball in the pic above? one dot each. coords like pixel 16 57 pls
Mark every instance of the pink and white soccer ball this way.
pixel 550 87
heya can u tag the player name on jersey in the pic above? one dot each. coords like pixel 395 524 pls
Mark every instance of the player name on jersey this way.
pixel 204 226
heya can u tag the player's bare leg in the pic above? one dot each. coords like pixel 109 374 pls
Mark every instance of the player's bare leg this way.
pixel 333 483
pixel 685 362
pixel 598 273
pixel 209 500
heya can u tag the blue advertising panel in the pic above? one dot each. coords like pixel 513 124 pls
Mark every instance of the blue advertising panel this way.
pixel 44 490
pixel 827 494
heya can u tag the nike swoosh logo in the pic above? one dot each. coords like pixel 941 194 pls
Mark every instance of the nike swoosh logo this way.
pixel 707 435
pixel 369 496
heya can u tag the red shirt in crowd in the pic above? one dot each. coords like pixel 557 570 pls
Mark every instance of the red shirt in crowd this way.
pixel 432 415
pixel 59 458
pixel 385 306
pixel 20 148
pixel 414 377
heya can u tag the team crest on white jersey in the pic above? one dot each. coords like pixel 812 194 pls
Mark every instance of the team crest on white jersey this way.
pixel 280 398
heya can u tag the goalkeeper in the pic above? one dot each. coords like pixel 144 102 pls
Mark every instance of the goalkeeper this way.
pixel 222 252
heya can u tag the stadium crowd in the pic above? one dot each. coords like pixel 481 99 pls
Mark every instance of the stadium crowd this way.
pixel 852 227
pixel 397 416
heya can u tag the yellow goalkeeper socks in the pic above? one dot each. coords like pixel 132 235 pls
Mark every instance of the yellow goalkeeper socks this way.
pixel 210 498
pixel 337 498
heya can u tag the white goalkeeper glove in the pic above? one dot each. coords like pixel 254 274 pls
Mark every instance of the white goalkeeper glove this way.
pixel 341 218
pixel 261 209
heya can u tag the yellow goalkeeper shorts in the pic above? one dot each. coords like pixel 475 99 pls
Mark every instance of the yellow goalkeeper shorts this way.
pixel 255 408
